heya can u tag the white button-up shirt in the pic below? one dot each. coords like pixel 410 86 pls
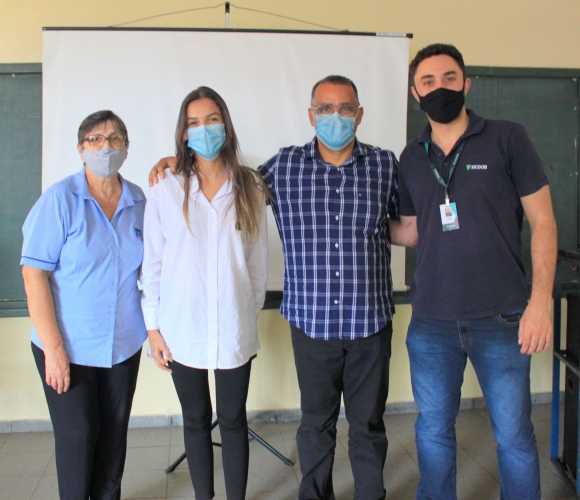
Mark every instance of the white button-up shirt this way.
pixel 203 287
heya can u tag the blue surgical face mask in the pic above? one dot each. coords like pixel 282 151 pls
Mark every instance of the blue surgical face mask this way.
pixel 207 140
pixel 334 130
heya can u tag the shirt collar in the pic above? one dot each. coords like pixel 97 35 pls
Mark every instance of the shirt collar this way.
pixel 78 184
pixel 475 126
pixel 194 188
pixel 311 151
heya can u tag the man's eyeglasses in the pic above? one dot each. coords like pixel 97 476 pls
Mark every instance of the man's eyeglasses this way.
pixel 342 109
pixel 116 141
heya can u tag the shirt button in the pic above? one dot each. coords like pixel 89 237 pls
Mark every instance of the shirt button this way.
pixel 336 217
pixel 337 273
pixel 336 301
pixel 337 190
pixel 336 245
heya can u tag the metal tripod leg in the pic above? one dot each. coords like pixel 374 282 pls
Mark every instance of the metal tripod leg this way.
pixel 253 435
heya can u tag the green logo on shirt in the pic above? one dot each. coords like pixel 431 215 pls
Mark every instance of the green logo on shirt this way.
pixel 476 167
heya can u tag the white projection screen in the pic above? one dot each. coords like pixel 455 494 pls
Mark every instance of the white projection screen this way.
pixel 264 77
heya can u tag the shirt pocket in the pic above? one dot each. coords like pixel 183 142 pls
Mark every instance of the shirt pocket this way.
pixel 367 210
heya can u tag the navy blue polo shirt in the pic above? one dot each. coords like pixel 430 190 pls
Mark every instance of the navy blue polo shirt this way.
pixel 477 270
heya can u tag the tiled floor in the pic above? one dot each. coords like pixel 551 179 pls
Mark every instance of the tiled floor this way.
pixel 27 469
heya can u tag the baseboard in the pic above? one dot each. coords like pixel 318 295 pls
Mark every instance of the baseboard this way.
pixel 290 415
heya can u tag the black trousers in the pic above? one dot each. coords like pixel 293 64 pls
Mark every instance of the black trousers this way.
pixel 359 370
pixel 192 387
pixel 90 423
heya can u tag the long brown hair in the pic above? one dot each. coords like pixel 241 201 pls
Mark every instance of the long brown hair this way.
pixel 249 187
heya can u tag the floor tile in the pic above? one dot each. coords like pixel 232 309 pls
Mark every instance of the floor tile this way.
pixel 397 490
pixel 469 419
pixel 482 487
pixel 27 463
pixel 269 495
pixel 144 459
pixel 406 440
pixel 179 484
pixel 400 468
pixel 150 436
pixel 288 429
pixel 260 454
pixel 28 441
pixel 144 484
pixel 18 488
pixel 177 436
pixel 478 438
pixel 402 422
pixel 487 458
pixel 47 488
pixel 266 430
pixel 395 448
pixel 552 484
pixel 467 465
pixel 3 438
pixel 24 464
pixel 342 427
pixel 51 467
pixel 270 477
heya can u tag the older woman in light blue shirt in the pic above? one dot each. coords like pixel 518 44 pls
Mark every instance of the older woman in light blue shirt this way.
pixel 83 246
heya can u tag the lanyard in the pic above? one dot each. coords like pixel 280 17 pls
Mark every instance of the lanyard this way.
pixel 436 173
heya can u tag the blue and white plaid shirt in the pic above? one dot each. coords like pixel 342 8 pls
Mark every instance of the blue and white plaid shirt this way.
pixel 335 234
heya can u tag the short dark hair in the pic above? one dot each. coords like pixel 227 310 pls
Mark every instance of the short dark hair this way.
pixel 336 80
pixel 96 119
pixel 436 49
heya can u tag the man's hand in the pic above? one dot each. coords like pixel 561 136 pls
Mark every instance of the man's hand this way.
pixel 159 169
pixel 159 350
pixel 57 370
pixel 535 334
pixel 404 231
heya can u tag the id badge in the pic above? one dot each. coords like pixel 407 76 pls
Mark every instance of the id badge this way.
pixel 449 219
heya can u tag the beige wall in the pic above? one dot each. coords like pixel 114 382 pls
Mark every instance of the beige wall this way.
pixel 530 33
pixel 537 33
pixel 273 384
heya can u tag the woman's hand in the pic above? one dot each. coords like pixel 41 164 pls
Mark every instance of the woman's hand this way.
pixel 41 308
pixel 159 169
pixel 57 370
pixel 159 350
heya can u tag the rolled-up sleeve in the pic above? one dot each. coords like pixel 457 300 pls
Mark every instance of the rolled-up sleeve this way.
pixel 154 243
pixel 45 231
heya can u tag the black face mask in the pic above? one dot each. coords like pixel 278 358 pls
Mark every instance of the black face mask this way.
pixel 442 105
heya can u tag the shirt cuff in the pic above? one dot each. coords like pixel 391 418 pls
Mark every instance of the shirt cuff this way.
pixel 151 318
pixel 38 264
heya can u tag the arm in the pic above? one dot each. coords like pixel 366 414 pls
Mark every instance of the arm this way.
pixel 154 243
pixel 41 309
pixel 159 169
pixel 535 332
pixel 257 262
pixel 404 231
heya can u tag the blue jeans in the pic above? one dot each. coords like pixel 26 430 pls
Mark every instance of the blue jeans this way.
pixel 438 351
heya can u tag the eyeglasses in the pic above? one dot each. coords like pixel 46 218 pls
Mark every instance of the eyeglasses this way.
pixel 116 141
pixel 343 109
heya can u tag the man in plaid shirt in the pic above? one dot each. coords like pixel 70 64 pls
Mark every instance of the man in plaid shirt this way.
pixel 331 199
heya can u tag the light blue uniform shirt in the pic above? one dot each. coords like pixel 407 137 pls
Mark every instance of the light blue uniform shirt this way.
pixel 95 264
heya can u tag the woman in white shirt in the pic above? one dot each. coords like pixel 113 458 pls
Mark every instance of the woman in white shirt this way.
pixel 204 281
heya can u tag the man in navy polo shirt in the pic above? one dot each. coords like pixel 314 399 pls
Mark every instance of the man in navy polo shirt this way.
pixel 465 185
